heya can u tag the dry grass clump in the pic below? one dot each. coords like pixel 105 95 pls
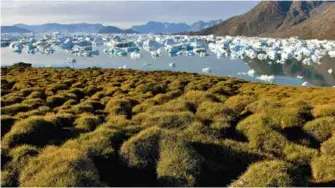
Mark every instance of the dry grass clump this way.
pixel 328 146
pixel 239 102
pixel 299 154
pixel 198 97
pixel 56 100
pixel 6 124
pixel 261 134
pixel 324 110
pixel 321 128
pixel 20 156
pixel 323 168
pixel 11 99
pixel 213 110
pixel 60 167
pixel 87 122
pixel 42 110
pixel 165 119
pixel 34 102
pixel 14 109
pixel 34 130
pixel 120 107
pixel 142 150
pixel 273 173
pixel 179 165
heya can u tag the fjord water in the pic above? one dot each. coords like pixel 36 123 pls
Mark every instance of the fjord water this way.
pixel 286 74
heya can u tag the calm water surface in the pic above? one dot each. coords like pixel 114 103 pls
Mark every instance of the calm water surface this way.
pixel 316 75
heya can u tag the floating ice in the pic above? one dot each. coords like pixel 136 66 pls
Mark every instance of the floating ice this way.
pixel 330 71
pixel 207 69
pixel 266 78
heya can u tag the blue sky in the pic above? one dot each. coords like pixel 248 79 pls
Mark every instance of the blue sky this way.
pixel 118 13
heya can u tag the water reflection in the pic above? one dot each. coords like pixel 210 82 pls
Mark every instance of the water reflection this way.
pixel 316 74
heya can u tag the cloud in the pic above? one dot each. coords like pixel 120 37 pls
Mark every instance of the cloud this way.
pixel 118 13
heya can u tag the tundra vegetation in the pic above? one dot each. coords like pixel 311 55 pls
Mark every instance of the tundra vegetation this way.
pixel 106 127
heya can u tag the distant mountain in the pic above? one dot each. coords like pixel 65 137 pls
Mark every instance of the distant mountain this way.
pixel 200 25
pixel 13 29
pixel 113 29
pixel 306 19
pixel 170 28
pixel 161 27
pixel 65 28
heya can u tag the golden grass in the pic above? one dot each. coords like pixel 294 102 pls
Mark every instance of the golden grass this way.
pixel 106 127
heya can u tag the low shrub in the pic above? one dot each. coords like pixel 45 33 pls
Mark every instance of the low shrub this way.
pixel 142 150
pixel 271 173
pixel 321 128
pixel 323 168
pixel 60 167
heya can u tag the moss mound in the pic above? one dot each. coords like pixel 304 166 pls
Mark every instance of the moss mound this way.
pixel 34 130
pixel 142 150
pixel 323 168
pixel 282 174
pixel 60 167
pixel 321 129
pixel 107 127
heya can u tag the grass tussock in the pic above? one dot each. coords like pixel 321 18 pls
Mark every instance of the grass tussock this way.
pixel 105 127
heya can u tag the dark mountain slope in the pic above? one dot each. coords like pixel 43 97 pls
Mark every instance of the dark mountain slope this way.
pixel 274 17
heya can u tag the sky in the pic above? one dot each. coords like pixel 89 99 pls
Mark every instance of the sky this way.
pixel 122 14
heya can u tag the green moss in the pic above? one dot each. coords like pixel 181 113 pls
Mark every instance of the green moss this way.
pixel 60 168
pixel 321 128
pixel 273 173
pixel 323 168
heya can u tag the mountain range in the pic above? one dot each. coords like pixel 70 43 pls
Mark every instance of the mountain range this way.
pixel 150 27
pixel 305 19
pixel 282 19
pixel 170 28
